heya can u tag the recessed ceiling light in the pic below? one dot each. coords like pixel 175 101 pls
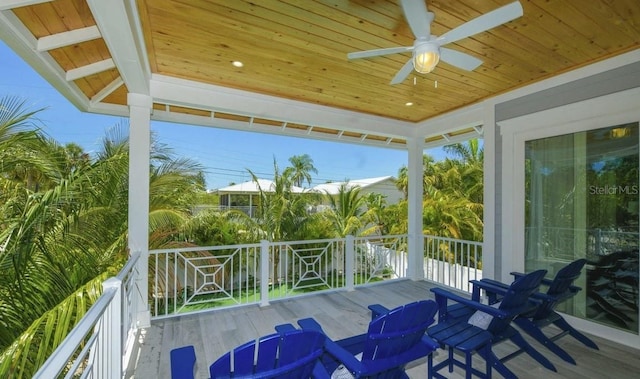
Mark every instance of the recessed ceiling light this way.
pixel 237 63
pixel 408 104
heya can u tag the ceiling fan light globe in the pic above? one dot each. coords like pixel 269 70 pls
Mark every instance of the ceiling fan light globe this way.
pixel 425 59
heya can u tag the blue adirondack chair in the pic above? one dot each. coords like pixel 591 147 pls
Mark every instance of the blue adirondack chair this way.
pixel 183 362
pixel 469 326
pixel 292 354
pixel 394 338
pixel 559 289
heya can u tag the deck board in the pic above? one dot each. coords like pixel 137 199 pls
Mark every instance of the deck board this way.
pixel 343 314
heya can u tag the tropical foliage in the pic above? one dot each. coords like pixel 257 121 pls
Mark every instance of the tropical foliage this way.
pixel 63 220
pixel 63 229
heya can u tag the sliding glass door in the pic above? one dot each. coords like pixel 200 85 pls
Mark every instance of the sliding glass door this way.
pixel 581 201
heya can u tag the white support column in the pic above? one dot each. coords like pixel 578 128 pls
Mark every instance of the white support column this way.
pixel 416 240
pixel 139 153
pixel 490 181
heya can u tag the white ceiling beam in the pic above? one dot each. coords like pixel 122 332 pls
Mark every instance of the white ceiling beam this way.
pixel 90 69
pixel 187 93
pixel 106 91
pixel 267 129
pixel 10 4
pixel 69 38
pixel 469 117
pixel 119 25
pixel 461 138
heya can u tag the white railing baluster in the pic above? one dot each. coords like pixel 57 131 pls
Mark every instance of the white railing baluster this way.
pixel 454 272
pixel 349 262
pixel 264 273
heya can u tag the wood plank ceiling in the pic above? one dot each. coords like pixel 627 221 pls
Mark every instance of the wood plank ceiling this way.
pixel 296 49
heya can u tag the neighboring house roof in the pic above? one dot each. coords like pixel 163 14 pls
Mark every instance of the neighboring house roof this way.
pixel 253 187
pixel 334 187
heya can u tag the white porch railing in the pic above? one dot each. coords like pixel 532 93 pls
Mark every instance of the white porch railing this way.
pixel 98 347
pixel 196 278
pixel 188 280
pixel 452 262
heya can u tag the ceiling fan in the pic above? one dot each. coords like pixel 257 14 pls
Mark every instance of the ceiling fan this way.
pixel 427 49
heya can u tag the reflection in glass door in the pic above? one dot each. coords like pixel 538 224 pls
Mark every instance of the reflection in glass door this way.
pixel 581 198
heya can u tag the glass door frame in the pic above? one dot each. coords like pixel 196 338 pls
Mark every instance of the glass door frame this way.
pixel 614 109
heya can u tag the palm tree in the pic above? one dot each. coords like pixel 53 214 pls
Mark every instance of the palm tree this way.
pixel 402 181
pixel 282 213
pixel 63 240
pixel 301 169
pixel 346 210
pixel 375 214
pixel 470 157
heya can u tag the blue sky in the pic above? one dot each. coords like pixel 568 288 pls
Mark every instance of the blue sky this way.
pixel 225 155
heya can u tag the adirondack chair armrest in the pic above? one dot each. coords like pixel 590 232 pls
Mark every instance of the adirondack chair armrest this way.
pixel 517 274
pixel 442 296
pixel 344 352
pixel 492 288
pixel 377 310
pixel 575 289
pixel 310 323
pixel 491 282
pixel 430 342
pixel 283 328
pixel 344 355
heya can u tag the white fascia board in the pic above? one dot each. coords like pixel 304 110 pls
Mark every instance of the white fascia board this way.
pixel 71 37
pixel 90 69
pixel 109 109
pixel 165 116
pixel 23 43
pixel 187 93
pixel 120 29
pixel 10 4
pixel 468 117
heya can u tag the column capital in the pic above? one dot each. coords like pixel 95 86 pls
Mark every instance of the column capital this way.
pixel 139 100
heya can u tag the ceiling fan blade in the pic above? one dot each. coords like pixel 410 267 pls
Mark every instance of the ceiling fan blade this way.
pixel 458 59
pixel 403 73
pixel 379 52
pixel 419 19
pixel 482 23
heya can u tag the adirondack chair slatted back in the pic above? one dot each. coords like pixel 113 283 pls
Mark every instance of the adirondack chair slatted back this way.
pixel 401 329
pixel 560 287
pixel 516 297
pixel 281 355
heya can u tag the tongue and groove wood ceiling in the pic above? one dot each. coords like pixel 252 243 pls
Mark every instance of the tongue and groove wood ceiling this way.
pixel 297 50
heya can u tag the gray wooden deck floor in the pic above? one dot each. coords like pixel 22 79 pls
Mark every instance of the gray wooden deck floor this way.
pixel 344 314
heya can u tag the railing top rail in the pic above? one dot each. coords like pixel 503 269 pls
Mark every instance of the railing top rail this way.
pixel 203 248
pixel 325 240
pixel 128 267
pixel 448 239
pixel 273 243
pixel 385 237
pixel 60 357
